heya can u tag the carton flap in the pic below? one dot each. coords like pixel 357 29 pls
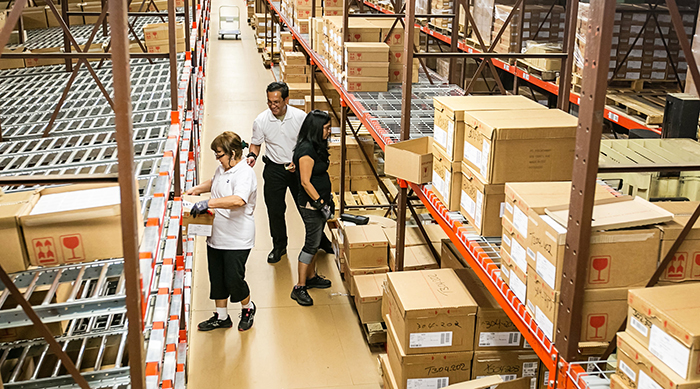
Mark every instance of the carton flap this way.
pixel 367 47
pixel 360 236
pixel 370 285
pixel 485 103
pixel 523 124
pixel 622 212
pixel 493 381
pixel 429 290
pixel 540 195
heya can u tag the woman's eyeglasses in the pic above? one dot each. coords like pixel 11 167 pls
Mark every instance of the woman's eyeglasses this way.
pixel 219 156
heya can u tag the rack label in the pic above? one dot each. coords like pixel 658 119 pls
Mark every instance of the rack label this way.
pixel 430 339
pixel 645 382
pixel 499 339
pixel 427 383
pixel 670 351
pixel 628 371
pixel 613 117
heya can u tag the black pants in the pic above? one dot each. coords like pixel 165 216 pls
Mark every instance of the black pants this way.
pixel 227 274
pixel 277 180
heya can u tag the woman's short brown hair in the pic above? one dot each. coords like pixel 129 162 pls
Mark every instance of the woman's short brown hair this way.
pixel 230 143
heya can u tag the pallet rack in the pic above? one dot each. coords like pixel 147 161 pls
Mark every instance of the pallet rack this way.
pixel 112 317
pixel 391 116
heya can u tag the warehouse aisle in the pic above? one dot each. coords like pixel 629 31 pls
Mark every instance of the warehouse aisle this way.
pixel 289 346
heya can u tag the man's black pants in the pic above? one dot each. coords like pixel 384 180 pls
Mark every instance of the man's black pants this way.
pixel 277 180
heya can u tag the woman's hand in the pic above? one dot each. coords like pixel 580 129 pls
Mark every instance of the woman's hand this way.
pixel 192 191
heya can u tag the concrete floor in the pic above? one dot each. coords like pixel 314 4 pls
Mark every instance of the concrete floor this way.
pixel 289 346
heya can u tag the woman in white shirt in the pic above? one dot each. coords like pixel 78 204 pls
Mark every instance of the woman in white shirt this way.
pixel 233 191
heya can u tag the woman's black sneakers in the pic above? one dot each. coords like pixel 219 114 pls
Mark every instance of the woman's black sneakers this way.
pixel 213 323
pixel 318 282
pixel 247 316
pixel 301 296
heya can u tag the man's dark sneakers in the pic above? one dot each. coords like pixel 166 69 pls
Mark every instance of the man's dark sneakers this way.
pixel 275 255
pixel 301 296
pixel 213 323
pixel 247 316
pixel 318 282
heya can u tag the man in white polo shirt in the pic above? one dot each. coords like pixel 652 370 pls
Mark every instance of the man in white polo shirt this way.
pixel 278 127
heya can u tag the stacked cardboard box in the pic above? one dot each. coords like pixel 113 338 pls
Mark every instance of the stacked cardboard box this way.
pixel 293 67
pixel 552 30
pixel 685 265
pixel 430 319
pixel 366 66
pixel 661 346
pixel 259 25
pixel 533 250
pixel 368 290
pixel 363 252
pixel 358 174
pixel 156 36
pixel 441 7
pixel 648 58
pixel 417 254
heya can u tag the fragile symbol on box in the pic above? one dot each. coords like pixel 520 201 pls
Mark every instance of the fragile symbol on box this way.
pixel 696 266
pixel 596 321
pixel 676 269
pixel 599 273
pixel 45 251
pixel 72 246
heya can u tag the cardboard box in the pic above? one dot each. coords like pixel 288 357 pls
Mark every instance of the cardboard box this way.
pixel 514 276
pixel 494 382
pixel 442 367
pixel 13 255
pixel 368 297
pixel 366 84
pixel 293 69
pixel 637 367
pixel 202 224
pixel 388 378
pixel 396 73
pixel 34 18
pixel 617 383
pixel 508 364
pixel 450 258
pixel 449 117
pixel 603 309
pixel 16 63
pixel 31 332
pixel 410 160
pixel 524 145
pixel 481 203
pixel 363 183
pixel 366 52
pixel 685 264
pixel 164 46
pixel 365 246
pixel 415 258
pixel 64 228
pixel 412 237
pixel 447 180
pixel 431 311
pixel 665 320
pixel 297 78
pixel 74 20
pixel 367 69
pixel 159 32
pixel 351 273
pixel 494 330
pixel 295 58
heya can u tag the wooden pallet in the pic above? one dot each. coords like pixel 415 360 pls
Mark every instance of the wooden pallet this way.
pixel 668 86
pixel 544 75
pixel 375 333
pixel 636 104
pixel 364 198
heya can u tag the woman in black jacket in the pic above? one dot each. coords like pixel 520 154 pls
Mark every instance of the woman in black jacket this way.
pixel 314 201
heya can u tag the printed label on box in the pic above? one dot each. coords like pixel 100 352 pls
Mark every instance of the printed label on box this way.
pixel 628 371
pixel 544 323
pixel 519 288
pixel 438 183
pixel 472 154
pixel 296 102
pixel 509 208
pixel 520 221
pixel 645 382
pixel 499 339
pixel 199 229
pixel 440 136
pixel 485 149
pixel 517 252
pixel 506 240
pixel 637 325
pixel 430 339
pixel 530 253
pixel 670 351
pixel 504 377
pixel 479 205
pixel 468 204
pixel 450 138
pixel 500 212
pixel 546 270
pixel 427 383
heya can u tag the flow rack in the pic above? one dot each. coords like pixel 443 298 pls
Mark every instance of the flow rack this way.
pixel 380 114
pixel 89 300
pixel 612 114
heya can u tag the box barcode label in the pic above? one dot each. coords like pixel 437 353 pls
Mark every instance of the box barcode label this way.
pixel 670 351
pixel 427 383
pixel 503 206
pixel 499 339
pixel 506 240
pixel 430 339
pixel 509 208
pixel 530 369
pixel 628 371
pixel 527 346
pixel 645 382
pixel 637 325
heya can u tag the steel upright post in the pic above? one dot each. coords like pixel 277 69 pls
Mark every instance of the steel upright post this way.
pixel 590 126
pixel 567 64
pixel 129 202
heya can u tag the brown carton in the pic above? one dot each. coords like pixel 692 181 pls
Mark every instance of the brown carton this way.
pixel 494 329
pixel 413 237
pixel 368 297
pixel 494 382
pixel 388 377
pixel 481 203
pixel 665 320
pixel 415 258
pixel 366 84
pixel 431 368
pixel 34 18
pixel 13 255
pixel 508 364
pixel 15 63
pixel 367 69
pixel 603 309
pixel 618 383
pixel 447 180
pixel 365 246
pixel 637 367
pixel 431 311
pixel 366 52
pixel 685 264
pixel 164 46
pixel 525 145
pixel 450 258
pixel 351 273
pixel 293 69
pixel 449 117
pixel 74 223
pixel 202 224
pixel 514 276
pixel 159 32
pixel 410 160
